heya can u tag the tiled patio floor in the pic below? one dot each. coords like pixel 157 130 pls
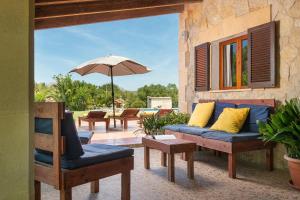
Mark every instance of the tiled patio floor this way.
pixel 116 136
pixel 211 182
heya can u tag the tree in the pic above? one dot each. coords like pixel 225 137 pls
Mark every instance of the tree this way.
pixel 138 104
pixel 64 88
pixel 43 92
pixel 159 91
pixel 79 95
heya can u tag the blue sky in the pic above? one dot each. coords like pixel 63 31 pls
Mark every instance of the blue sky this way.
pixel 152 41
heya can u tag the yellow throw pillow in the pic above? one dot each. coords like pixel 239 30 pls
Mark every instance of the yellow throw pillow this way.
pixel 231 120
pixel 201 114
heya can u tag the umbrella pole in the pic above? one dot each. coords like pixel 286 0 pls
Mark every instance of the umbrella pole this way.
pixel 113 94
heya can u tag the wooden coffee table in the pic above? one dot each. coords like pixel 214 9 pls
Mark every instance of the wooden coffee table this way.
pixel 168 148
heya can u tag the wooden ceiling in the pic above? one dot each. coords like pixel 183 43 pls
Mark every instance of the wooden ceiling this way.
pixel 60 13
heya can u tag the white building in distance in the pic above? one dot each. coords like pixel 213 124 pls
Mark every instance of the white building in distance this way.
pixel 159 102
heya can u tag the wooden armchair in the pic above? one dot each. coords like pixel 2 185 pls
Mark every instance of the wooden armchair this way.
pixel 61 161
pixel 127 115
pixel 93 117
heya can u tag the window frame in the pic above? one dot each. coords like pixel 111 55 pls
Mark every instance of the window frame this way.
pixel 238 40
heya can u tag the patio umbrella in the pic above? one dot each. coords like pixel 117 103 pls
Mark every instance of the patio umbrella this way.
pixel 111 66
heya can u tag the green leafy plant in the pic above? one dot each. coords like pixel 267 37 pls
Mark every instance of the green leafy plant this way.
pixel 79 95
pixel 284 127
pixel 153 125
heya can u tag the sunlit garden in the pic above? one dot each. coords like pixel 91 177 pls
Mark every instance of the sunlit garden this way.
pixel 82 96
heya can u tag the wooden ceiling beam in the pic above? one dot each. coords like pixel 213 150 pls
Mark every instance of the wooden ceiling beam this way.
pixel 58 2
pixel 60 13
pixel 63 21
pixel 59 8
pixel 49 2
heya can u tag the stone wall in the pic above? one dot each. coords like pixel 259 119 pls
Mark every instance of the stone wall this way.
pixel 215 19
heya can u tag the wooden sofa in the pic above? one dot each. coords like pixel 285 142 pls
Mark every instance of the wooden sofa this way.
pixel 232 148
pixel 71 164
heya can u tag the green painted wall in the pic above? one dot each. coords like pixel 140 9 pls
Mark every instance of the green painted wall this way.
pixel 16 86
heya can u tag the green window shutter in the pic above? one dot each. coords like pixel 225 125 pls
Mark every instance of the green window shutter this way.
pixel 202 70
pixel 261 56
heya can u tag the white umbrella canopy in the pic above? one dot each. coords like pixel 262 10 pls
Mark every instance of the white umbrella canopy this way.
pixel 111 66
pixel 121 66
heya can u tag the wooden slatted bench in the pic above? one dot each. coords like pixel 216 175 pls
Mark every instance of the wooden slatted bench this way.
pixel 233 148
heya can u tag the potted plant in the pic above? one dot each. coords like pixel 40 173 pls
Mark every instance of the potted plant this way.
pixel 284 127
pixel 153 125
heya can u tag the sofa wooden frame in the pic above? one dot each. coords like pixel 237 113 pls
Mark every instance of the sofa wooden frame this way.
pixel 236 147
pixel 63 179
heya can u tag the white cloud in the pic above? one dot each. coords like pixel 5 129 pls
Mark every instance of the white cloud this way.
pixel 107 45
pixel 53 59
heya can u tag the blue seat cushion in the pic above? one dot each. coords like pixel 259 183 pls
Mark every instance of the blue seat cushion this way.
pixel 216 135
pixel 228 137
pixel 68 129
pixel 85 136
pixel 257 113
pixel 193 130
pixel 93 154
pixel 174 127
pixel 219 107
pixel 184 128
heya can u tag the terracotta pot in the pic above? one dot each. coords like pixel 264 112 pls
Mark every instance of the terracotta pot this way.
pixel 294 167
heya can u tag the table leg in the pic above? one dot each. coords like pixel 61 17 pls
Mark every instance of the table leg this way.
pixel 90 126
pixel 269 159
pixel 163 159
pixel 231 165
pixel 107 125
pixel 37 189
pixel 183 156
pixel 95 186
pixel 146 157
pixel 171 171
pixel 125 124
pixel 190 165
pixel 125 186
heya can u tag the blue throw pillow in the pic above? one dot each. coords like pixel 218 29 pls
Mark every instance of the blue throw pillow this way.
pixel 194 106
pixel 68 129
pixel 257 113
pixel 219 107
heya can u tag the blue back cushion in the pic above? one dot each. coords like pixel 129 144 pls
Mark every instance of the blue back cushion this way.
pixel 219 107
pixel 194 106
pixel 68 129
pixel 257 113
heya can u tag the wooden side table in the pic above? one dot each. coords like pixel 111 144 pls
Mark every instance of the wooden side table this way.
pixel 168 149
